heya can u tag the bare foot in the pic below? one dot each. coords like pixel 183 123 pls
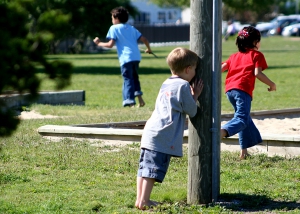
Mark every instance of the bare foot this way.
pixel 243 157
pixel 223 133
pixel 141 101
pixel 244 154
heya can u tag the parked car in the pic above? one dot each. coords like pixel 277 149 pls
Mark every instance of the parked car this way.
pixel 264 27
pixel 291 19
pixel 291 30
pixel 275 26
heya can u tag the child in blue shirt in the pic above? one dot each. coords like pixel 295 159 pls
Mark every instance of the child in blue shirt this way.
pixel 126 38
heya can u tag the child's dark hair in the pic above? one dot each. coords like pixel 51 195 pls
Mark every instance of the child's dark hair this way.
pixel 120 13
pixel 247 39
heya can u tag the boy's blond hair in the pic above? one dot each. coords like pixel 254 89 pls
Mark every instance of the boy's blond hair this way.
pixel 180 58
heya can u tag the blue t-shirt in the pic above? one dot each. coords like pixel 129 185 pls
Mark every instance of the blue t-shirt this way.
pixel 126 39
pixel 163 132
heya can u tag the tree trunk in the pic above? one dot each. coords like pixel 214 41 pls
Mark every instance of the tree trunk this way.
pixel 200 138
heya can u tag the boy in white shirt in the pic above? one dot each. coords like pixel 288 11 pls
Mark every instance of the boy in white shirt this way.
pixel 163 133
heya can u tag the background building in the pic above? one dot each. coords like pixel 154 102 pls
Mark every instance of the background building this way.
pixel 152 14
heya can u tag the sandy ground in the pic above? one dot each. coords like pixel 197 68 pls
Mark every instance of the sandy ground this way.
pixel 269 124
pixel 27 115
pixel 277 124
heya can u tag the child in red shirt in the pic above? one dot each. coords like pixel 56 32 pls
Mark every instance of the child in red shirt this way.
pixel 243 69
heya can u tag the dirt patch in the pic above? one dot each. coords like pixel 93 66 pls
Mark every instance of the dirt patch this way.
pixel 293 38
pixel 27 115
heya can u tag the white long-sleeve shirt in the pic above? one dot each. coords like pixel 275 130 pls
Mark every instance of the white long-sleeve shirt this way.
pixel 163 132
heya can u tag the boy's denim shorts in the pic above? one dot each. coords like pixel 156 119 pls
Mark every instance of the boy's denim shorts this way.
pixel 153 165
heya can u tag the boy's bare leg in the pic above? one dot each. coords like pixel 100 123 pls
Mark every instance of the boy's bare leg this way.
pixel 147 186
pixel 139 184
pixel 141 101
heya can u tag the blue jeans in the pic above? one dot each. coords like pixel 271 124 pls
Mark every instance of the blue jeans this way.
pixel 242 122
pixel 131 84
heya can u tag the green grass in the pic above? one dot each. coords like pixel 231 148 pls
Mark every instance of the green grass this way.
pixel 99 75
pixel 68 176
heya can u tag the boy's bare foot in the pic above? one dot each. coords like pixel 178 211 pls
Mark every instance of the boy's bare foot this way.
pixel 141 101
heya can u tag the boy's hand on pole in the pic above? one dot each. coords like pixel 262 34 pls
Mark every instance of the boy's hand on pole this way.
pixel 197 88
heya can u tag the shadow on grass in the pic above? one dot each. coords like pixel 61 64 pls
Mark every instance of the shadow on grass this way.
pixel 97 58
pixel 284 66
pixel 254 203
pixel 104 56
pixel 279 51
pixel 113 70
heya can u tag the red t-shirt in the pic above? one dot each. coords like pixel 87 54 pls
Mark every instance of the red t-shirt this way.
pixel 241 68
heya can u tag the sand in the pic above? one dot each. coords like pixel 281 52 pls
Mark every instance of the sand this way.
pixel 28 115
pixel 276 124
pixel 266 124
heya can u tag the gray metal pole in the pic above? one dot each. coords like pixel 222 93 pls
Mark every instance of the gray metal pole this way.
pixel 216 96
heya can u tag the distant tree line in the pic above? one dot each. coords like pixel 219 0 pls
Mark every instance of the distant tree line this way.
pixel 250 11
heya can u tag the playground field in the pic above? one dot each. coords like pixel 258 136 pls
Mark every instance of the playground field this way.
pixel 68 176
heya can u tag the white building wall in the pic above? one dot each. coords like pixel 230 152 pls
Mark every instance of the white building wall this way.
pixel 148 7
pixel 186 15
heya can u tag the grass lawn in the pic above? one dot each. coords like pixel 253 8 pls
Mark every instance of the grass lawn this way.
pixel 68 176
